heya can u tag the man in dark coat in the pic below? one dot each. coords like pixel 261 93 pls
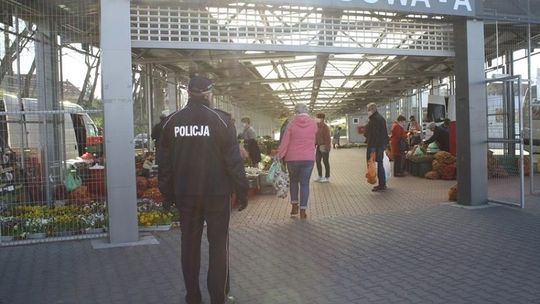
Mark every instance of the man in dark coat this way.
pixel 156 130
pixel 377 140
pixel 200 167
pixel 440 136
pixel 156 133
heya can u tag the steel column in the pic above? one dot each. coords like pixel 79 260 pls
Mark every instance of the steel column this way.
pixel 46 48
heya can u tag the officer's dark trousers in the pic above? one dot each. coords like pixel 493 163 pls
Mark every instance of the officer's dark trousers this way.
pixel 193 213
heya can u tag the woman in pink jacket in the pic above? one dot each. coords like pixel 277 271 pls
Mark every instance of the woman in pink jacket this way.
pixel 297 148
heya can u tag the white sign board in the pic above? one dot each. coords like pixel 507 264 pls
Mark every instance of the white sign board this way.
pixel 437 7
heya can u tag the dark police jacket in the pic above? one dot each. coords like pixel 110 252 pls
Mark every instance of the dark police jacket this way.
pixel 199 155
pixel 376 132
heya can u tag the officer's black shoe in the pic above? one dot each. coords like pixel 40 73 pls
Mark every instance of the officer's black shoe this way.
pixel 193 301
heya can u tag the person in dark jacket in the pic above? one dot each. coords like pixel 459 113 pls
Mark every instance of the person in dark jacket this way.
pixel 250 142
pixel 156 132
pixel 377 140
pixel 200 168
pixel 285 117
pixel 323 146
pixel 398 144
pixel 440 136
pixel 335 137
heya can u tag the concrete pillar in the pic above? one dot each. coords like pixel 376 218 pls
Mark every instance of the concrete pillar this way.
pixel 118 120
pixel 471 113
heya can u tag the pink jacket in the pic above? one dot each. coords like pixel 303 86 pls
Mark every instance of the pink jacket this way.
pixel 298 141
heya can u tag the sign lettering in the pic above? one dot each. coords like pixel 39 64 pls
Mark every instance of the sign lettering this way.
pixel 190 131
pixel 436 7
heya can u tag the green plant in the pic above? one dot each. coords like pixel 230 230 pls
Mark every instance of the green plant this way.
pixel 10 226
pixel 65 222
pixel 37 225
pixel 152 218
pixel 92 220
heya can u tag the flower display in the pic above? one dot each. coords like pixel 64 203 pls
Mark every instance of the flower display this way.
pixel 153 218
pixel 37 225
pixel 65 223
pixel 265 163
pixel 22 220
pixel 92 220
pixel 151 213
pixel 10 226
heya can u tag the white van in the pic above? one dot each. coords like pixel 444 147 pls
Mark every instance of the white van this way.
pixel 535 126
pixel 23 131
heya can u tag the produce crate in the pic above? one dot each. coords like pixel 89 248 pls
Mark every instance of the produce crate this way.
pixel 420 167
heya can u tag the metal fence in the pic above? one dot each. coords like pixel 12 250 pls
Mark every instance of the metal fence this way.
pixel 507 163
pixel 52 173
pixel 52 178
pixel 513 67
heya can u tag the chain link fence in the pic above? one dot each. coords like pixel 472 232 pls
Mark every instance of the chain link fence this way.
pixel 52 174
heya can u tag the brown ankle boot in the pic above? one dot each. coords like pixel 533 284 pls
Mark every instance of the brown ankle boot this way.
pixel 303 214
pixel 294 210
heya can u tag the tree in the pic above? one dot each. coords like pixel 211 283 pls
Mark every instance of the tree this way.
pixel 92 61
pixel 12 51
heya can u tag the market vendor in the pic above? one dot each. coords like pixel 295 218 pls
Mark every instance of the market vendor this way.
pixel 250 142
pixel 440 136
pixel 414 130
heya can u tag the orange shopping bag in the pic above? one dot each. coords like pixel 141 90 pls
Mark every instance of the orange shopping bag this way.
pixel 371 173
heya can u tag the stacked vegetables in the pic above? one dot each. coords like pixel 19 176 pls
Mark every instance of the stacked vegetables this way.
pixel 443 166
pixel 452 193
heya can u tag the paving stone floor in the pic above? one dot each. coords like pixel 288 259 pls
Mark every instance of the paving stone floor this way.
pixel 406 245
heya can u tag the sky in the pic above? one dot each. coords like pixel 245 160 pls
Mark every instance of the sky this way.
pixel 73 66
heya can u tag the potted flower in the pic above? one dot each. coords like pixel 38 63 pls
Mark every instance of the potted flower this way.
pixel 10 228
pixel 65 224
pixel 155 220
pixel 36 228
pixel 93 222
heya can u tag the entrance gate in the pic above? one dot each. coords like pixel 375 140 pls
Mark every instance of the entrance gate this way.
pixel 507 163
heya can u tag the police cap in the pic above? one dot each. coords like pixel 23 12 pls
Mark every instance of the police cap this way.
pixel 199 85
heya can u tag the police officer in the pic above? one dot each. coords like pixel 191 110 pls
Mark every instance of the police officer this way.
pixel 200 166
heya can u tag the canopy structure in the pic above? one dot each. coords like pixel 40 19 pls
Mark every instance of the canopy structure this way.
pixel 268 57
